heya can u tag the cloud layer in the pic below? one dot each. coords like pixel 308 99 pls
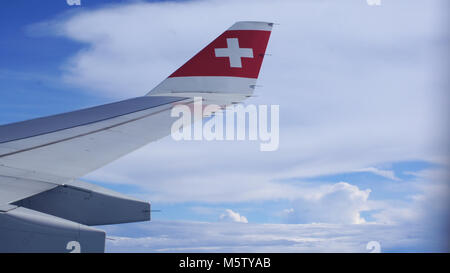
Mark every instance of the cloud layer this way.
pixel 235 237
pixel 359 87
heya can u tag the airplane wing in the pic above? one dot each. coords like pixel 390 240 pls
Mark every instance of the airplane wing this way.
pixel 44 208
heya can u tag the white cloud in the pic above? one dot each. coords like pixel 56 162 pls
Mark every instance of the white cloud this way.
pixel 231 216
pixel 384 173
pixel 338 203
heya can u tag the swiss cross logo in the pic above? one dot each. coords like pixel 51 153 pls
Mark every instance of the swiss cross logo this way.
pixel 234 52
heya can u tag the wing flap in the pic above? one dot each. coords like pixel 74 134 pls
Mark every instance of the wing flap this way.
pixel 88 204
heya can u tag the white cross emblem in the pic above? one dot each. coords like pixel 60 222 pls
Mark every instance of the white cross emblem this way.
pixel 233 52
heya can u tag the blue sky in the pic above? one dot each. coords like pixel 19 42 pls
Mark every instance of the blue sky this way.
pixel 31 64
pixel 362 98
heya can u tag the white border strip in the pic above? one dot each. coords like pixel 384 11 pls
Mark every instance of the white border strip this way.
pixel 213 84
pixel 250 25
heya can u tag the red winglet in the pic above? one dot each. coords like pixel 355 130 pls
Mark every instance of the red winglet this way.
pixel 238 52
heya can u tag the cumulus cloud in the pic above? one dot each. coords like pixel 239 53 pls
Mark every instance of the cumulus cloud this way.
pixel 338 203
pixel 231 216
